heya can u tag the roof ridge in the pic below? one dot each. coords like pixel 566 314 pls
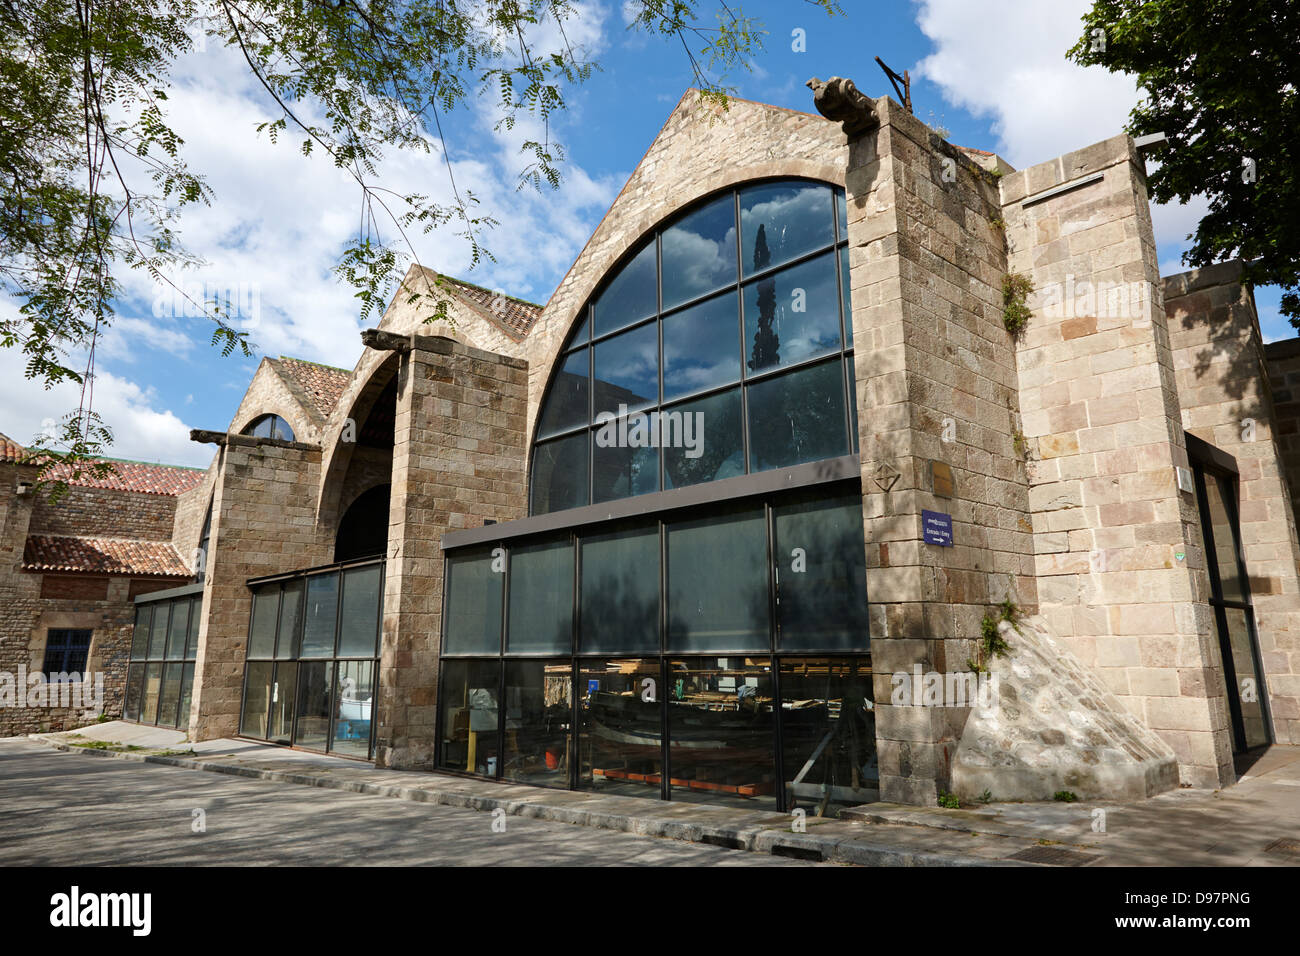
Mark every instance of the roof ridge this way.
pixel 332 368
pixel 493 292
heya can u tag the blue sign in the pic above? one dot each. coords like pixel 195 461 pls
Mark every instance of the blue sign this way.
pixel 937 527
pixel 593 687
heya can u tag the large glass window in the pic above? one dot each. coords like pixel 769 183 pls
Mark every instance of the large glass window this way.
pixel 160 678
pixel 312 658
pixel 703 322
pixel 665 682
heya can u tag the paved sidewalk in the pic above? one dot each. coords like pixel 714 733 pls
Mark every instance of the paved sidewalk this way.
pixel 1256 822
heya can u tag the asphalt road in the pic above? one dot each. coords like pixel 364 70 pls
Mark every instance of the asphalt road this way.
pixel 70 809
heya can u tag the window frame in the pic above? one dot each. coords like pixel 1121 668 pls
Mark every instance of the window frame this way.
pixel 582 335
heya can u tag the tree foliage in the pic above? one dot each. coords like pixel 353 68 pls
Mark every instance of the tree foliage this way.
pixel 93 179
pixel 1221 81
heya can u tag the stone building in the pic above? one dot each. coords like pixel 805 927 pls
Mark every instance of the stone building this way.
pixel 770 503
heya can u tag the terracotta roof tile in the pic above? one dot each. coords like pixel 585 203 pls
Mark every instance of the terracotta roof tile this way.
pixel 10 450
pixel 136 476
pixel 323 383
pixel 102 556
pixel 515 314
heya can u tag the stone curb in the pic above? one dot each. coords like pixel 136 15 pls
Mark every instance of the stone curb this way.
pixel 755 839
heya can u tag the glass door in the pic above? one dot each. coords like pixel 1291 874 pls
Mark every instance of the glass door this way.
pixel 1247 696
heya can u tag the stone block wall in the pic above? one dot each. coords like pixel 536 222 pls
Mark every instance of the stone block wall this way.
pixel 105 513
pixel 1227 400
pixel 459 458
pixel 1119 574
pixel 1283 360
pixel 263 522
pixel 936 382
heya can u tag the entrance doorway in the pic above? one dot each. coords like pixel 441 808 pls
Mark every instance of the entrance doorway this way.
pixel 1216 478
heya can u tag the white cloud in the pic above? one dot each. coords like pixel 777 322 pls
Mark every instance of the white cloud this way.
pixel 141 430
pixel 1011 68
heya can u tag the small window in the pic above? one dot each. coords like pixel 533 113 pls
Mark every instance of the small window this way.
pixel 269 426
pixel 66 651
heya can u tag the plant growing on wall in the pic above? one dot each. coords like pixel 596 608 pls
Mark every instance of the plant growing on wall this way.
pixel 1015 312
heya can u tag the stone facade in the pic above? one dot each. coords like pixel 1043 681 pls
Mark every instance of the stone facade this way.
pixel 1064 445
pixel 32 603
pixel 458 461
pixel 1227 400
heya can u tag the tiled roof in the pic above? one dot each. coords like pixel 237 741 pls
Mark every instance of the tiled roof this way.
pixel 135 476
pixel 323 383
pixel 515 314
pixel 102 556
pixel 10 450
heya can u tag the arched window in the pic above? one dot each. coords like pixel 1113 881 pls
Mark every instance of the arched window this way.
pixel 269 426
pixel 363 530
pixel 721 347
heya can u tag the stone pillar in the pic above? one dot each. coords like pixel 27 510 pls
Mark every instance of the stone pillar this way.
pixel 459 457
pixel 936 382
pixel 263 522
pixel 1120 574
pixel 1223 387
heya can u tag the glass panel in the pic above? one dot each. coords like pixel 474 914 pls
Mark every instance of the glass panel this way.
pixel 821 575
pixel 314 680
pixel 474 583
pixel 261 635
pixel 846 292
pixel 171 695
pixel 257 698
pixel 626 456
pixel 134 687
pixel 1249 690
pixel 1224 543
pixel 359 628
pixel 701 347
pixel 722 730
pixel 702 440
pixel 842 214
pixel 792 315
pixel 192 635
pixel 620 727
pixel 850 374
pixel 700 252
pixel 187 689
pixel 541 598
pixel 582 335
pixel 620 592
pixel 283 697
pixel 158 631
pixel 630 296
pixel 626 371
pixel 177 630
pixel 782 221
pixel 290 619
pixel 828 732
pixel 539 710
pixel 566 402
pixel 469 716
pixel 140 636
pixel 797 417
pixel 718 583
pixel 149 704
pixel 560 474
pixel 356 698
pixel 318 622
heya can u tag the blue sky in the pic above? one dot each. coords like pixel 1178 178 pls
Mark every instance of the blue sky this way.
pixel 993 74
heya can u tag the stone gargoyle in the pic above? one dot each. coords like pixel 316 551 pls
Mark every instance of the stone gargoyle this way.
pixel 839 100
